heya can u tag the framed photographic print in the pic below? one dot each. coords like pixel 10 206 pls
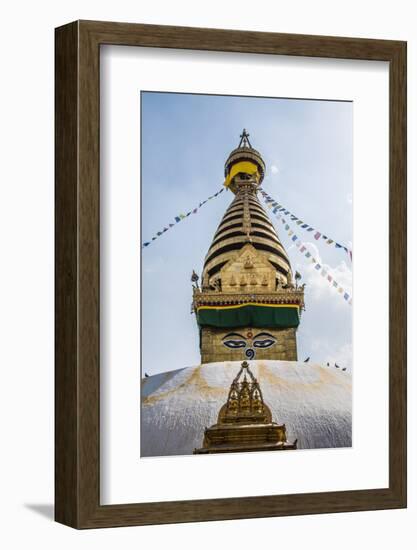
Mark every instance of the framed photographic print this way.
pixel 230 274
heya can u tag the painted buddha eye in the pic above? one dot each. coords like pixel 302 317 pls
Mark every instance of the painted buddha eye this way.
pixel 264 340
pixel 263 343
pixel 234 344
pixel 234 341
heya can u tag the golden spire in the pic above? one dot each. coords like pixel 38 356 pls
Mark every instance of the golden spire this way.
pixel 244 166
pixel 245 422
pixel 245 402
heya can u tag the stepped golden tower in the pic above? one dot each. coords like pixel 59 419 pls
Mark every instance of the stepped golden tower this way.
pixel 248 300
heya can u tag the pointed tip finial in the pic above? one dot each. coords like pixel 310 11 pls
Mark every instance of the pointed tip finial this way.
pixel 244 139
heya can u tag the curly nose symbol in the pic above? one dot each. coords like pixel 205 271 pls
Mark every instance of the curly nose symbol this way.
pixel 250 353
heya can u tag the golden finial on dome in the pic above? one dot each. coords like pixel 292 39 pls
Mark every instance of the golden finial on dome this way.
pixel 244 163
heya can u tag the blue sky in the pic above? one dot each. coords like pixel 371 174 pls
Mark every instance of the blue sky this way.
pixel 307 147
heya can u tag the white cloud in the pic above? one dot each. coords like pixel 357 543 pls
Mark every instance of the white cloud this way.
pixel 319 287
pixel 274 169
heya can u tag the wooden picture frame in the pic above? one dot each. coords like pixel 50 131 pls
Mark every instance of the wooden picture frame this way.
pixel 77 403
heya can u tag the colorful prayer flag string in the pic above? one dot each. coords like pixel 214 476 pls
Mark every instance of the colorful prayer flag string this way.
pixel 179 218
pixel 303 250
pixel 271 203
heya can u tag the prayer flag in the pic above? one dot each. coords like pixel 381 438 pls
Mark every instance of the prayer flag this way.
pixel 317 235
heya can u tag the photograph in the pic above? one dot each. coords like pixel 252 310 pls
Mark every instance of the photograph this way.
pixel 209 250
pixel 246 273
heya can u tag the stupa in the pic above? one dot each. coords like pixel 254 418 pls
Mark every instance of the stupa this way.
pixel 248 300
pixel 248 305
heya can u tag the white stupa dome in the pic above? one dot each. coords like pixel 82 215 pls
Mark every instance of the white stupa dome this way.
pixel 313 401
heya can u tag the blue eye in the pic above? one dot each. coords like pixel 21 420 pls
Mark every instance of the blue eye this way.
pixel 234 344
pixel 264 343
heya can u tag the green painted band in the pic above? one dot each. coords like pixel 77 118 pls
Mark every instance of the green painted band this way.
pixel 249 316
